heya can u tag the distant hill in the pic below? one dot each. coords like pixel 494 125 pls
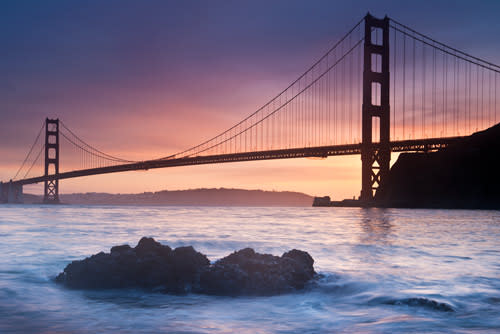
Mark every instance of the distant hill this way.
pixel 464 175
pixel 192 197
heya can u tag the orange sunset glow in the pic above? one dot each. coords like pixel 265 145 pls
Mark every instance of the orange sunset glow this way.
pixel 164 91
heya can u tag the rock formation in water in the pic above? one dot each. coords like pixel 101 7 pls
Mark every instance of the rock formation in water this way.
pixel 422 302
pixel 464 175
pixel 152 265
pixel 248 273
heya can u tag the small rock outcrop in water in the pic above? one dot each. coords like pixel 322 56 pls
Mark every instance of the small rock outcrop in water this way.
pixel 150 264
pixel 422 302
pixel 153 265
pixel 246 272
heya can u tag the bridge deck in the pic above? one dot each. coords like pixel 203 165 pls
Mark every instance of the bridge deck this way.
pixel 420 145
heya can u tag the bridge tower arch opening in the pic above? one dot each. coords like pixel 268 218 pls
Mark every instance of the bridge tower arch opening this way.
pixel 375 156
pixel 51 185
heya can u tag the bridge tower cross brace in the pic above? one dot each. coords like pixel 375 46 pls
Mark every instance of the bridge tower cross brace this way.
pixel 51 186
pixel 375 157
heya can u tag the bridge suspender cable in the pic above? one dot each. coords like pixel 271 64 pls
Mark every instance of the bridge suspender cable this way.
pixel 252 126
pixel 461 55
pixel 90 152
pixel 443 46
pixel 90 149
pixel 457 107
pixel 268 103
pixel 34 162
pixel 29 153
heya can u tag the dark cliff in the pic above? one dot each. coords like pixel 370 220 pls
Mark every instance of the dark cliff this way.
pixel 464 175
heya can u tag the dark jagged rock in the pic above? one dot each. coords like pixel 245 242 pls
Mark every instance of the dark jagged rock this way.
pixel 464 175
pixel 422 302
pixel 148 265
pixel 153 265
pixel 120 249
pixel 248 273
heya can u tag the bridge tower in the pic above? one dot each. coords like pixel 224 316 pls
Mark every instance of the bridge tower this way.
pixel 51 186
pixel 375 157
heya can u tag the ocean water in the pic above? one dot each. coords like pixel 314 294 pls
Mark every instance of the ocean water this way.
pixel 384 270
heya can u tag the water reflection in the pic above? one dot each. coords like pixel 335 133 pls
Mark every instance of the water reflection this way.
pixel 376 226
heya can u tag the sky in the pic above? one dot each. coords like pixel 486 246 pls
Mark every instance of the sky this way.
pixel 144 79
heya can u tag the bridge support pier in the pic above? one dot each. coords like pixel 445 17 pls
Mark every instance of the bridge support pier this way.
pixel 11 193
pixel 375 156
pixel 3 193
pixel 51 186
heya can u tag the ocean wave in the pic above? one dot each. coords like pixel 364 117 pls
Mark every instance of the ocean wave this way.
pixel 339 285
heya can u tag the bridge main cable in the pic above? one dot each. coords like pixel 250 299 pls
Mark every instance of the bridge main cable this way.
pixel 89 148
pixel 195 150
pixel 445 48
pixel 29 153
pixel 277 109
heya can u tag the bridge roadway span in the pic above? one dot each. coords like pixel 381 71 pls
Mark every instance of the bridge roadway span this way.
pixel 420 145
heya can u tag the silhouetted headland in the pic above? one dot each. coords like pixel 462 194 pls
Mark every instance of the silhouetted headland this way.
pixel 151 265
pixel 194 197
pixel 464 175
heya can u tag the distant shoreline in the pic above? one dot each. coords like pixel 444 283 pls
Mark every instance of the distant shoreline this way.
pixel 190 197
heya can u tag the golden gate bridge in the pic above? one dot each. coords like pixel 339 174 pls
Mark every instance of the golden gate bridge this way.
pixel 382 88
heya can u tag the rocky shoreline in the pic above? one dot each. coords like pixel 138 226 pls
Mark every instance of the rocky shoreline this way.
pixel 151 265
